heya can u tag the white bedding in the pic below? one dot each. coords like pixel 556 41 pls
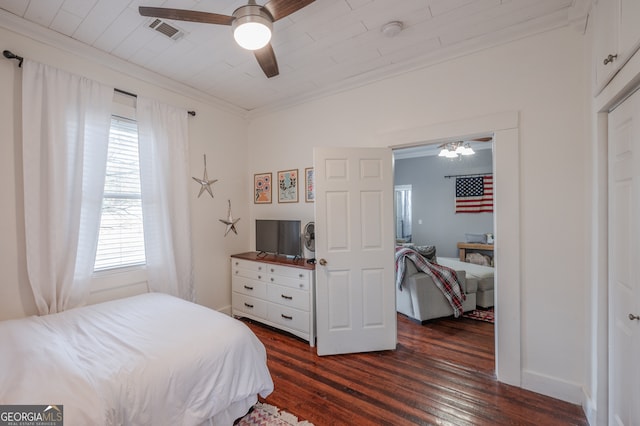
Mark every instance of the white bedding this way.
pixel 149 359
pixel 473 270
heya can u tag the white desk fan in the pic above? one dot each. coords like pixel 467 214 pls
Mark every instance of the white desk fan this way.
pixel 309 238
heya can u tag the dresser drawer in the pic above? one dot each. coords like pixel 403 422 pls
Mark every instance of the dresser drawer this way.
pixel 247 264
pixel 300 284
pixel 291 297
pixel 249 305
pixel 249 287
pixel 288 317
pixel 249 273
pixel 291 272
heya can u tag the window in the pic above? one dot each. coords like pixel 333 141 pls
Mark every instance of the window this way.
pixel 403 213
pixel 121 238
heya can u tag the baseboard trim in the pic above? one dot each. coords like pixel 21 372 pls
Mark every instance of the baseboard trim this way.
pixel 590 409
pixel 553 387
pixel 226 310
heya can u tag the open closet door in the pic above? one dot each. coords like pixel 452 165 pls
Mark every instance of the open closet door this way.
pixel 354 230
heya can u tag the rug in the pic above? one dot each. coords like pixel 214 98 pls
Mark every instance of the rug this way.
pixel 268 415
pixel 481 315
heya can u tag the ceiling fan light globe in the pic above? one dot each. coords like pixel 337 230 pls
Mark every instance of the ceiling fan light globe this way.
pixel 252 27
pixel 252 35
pixel 468 151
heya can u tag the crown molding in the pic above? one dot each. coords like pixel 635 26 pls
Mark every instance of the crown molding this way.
pixel 532 28
pixel 59 41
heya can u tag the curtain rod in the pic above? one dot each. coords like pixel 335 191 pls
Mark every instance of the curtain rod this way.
pixel 469 175
pixel 133 95
pixel 10 55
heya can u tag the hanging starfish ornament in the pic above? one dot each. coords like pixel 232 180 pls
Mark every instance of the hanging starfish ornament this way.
pixel 205 183
pixel 230 222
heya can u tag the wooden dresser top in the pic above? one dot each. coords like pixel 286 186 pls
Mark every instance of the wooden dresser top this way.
pixel 275 259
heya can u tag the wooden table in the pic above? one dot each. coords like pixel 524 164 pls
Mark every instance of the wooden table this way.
pixel 463 247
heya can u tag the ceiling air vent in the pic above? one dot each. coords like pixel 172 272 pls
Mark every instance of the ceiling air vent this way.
pixel 169 30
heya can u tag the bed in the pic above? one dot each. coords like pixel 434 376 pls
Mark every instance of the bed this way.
pixel 483 275
pixel 147 359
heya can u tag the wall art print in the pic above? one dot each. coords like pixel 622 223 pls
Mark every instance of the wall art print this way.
pixel 288 186
pixel 262 188
pixel 309 185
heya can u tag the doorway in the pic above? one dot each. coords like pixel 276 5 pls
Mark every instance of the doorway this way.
pixel 427 215
pixel 506 159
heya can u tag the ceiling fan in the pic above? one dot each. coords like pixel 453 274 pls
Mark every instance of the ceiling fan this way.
pixel 252 25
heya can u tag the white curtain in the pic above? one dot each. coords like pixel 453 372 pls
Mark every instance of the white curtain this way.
pixel 164 177
pixel 65 128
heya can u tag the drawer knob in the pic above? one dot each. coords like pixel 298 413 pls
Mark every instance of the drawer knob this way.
pixel 286 297
pixel 248 305
pixel 301 275
pixel 259 277
pixel 248 287
pixel 272 270
pixel 287 317
pixel 272 279
pixel 609 59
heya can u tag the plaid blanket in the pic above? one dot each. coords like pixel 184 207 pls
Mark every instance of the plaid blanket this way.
pixel 445 278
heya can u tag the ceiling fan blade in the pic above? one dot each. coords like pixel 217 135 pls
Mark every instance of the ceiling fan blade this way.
pixel 186 15
pixel 281 8
pixel 267 60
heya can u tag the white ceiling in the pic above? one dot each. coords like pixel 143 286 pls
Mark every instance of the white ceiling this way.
pixel 327 46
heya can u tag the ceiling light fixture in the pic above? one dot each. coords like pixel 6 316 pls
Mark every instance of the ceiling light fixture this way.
pixel 455 149
pixel 252 26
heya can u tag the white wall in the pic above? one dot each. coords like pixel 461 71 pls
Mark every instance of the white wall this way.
pixel 220 134
pixel 543 79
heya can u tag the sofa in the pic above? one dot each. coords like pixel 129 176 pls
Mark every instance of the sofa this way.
pixel 420 298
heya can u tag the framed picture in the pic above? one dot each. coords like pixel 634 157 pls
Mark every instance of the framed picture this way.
pixel 288 186
pixel 262 188
pixel 309 186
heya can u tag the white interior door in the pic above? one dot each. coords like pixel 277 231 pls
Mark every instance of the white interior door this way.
pixel 624 237
pixel 354 229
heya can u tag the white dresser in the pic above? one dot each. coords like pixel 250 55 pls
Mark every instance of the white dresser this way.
pixel 276 291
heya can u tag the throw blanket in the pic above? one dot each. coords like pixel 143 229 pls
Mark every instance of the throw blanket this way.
pixel 445 278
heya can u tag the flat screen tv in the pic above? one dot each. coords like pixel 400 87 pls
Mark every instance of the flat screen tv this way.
pixel 279 237
pixel 267 236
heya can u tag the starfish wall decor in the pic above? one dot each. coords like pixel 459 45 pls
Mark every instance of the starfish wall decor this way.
pixel 205 183
pixel 230 222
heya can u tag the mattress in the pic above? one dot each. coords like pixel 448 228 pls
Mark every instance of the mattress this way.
pixel 483 274
pixel 147 359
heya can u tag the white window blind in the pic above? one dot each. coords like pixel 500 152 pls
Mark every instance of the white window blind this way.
pixel 121 239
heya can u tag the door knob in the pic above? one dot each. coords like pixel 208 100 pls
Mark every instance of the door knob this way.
pixel 322 262
pixel 634 317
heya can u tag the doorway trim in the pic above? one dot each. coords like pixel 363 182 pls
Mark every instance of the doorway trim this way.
pixel 506 168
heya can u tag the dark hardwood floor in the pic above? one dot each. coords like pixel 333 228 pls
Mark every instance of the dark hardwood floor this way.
pixel 442 373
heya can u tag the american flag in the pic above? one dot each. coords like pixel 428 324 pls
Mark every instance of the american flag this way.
pixel 474 194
